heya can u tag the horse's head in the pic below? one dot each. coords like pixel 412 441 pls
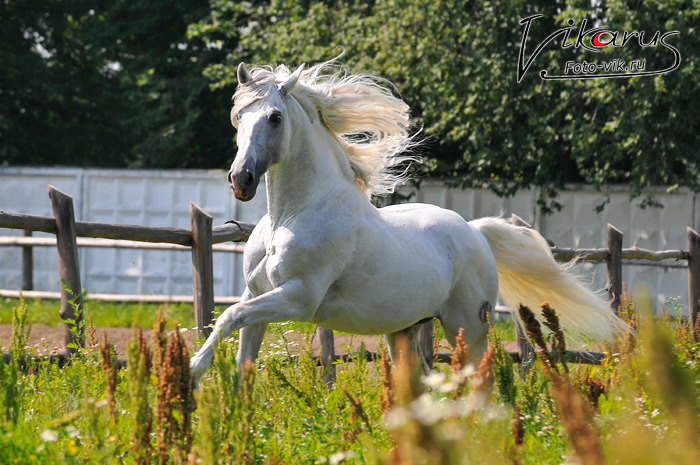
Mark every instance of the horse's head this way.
pixel 263 131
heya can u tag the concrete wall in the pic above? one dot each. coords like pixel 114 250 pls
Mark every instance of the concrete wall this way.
pixel 145 197
pixel 578 225
pixel 162 197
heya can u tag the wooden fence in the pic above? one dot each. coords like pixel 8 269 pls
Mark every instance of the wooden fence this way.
pixel 203 239
pixel 200 239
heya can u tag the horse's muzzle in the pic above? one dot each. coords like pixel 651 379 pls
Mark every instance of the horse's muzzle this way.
pixel 243 183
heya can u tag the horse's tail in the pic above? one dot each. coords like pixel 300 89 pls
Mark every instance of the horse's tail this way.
pixel 528 275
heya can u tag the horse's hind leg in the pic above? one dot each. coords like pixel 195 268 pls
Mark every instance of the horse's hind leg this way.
pixel 473 311
pixel 410 336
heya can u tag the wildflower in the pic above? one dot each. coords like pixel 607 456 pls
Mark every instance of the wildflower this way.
pixel 449 386
pixel 518 428
pixel 396 418
pixel 427 411
pixel 49 435
pixel 339 457
pixel 461 352
pixel 465 406
pixel 110 373
pixel 484 372
pixel 387 399
pixel 434 379
pixel 468 371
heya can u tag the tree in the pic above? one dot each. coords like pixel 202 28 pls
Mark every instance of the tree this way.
pixel 148 84
pixel 455 63
pixel 109 84
pixel 60 102
pixel 177 120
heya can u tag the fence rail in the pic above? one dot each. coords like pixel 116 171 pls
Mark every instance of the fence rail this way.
pixel 234 231
pixel 203 238
pixel 110 243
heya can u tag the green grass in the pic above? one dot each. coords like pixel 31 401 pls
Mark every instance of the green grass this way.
pixel 648 412
pixel 104 314
pixel 112 314
pixel 125 315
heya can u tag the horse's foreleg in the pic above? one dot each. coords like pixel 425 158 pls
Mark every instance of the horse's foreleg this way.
pixel 201 360
pixel 290 301
pixel 250 339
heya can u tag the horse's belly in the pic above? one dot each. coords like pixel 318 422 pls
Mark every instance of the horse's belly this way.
pixel 339 315
pixel 380 300
pixel 405 271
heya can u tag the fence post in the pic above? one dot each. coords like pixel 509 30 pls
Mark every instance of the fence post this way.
pixel 202 269
pixel 614 264
pixel 68 270
pixel 327 354
pixel 27 264
pixel 693 275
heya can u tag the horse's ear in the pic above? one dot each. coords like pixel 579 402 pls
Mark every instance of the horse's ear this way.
pixel 291 81
pixel 244 76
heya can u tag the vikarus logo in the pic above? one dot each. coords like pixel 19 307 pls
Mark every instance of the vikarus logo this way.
pixel 596 39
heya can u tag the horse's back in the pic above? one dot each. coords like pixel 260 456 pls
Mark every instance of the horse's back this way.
pixel 435 224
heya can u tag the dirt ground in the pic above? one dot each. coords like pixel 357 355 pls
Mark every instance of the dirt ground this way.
pixel 48 338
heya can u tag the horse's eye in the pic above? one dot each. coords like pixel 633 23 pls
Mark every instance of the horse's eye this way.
pixel 275 118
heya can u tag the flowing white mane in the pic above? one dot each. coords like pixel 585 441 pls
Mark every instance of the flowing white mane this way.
pixel 360 110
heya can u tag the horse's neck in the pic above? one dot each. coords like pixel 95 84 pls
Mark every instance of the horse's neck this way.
pixel 315 171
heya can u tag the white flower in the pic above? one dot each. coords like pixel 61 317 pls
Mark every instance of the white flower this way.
pixel 426 410
pixel 434 379
pixel 449 386
pixel 338 457
pixel 49 435
pixel 465 406
pixel 468 370
pixel 396 418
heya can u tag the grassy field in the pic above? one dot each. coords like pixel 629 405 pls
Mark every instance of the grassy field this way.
pixel 104 314
pixel 642 405
pixel 112 314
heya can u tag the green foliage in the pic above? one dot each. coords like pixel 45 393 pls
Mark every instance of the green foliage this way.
pixel 289 416
pixel 109 84
pixel 503 372
pixel 455 64
pixel 103 314
pixel 147 84
pixel 61 103
pixel 10 374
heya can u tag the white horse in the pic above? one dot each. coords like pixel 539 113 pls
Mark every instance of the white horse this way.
pixel 325 142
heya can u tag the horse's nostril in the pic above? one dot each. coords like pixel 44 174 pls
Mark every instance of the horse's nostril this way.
pixel 247 178
pixel 230 177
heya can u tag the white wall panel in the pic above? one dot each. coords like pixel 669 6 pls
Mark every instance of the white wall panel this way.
pixel 24 190
pixel 145 197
